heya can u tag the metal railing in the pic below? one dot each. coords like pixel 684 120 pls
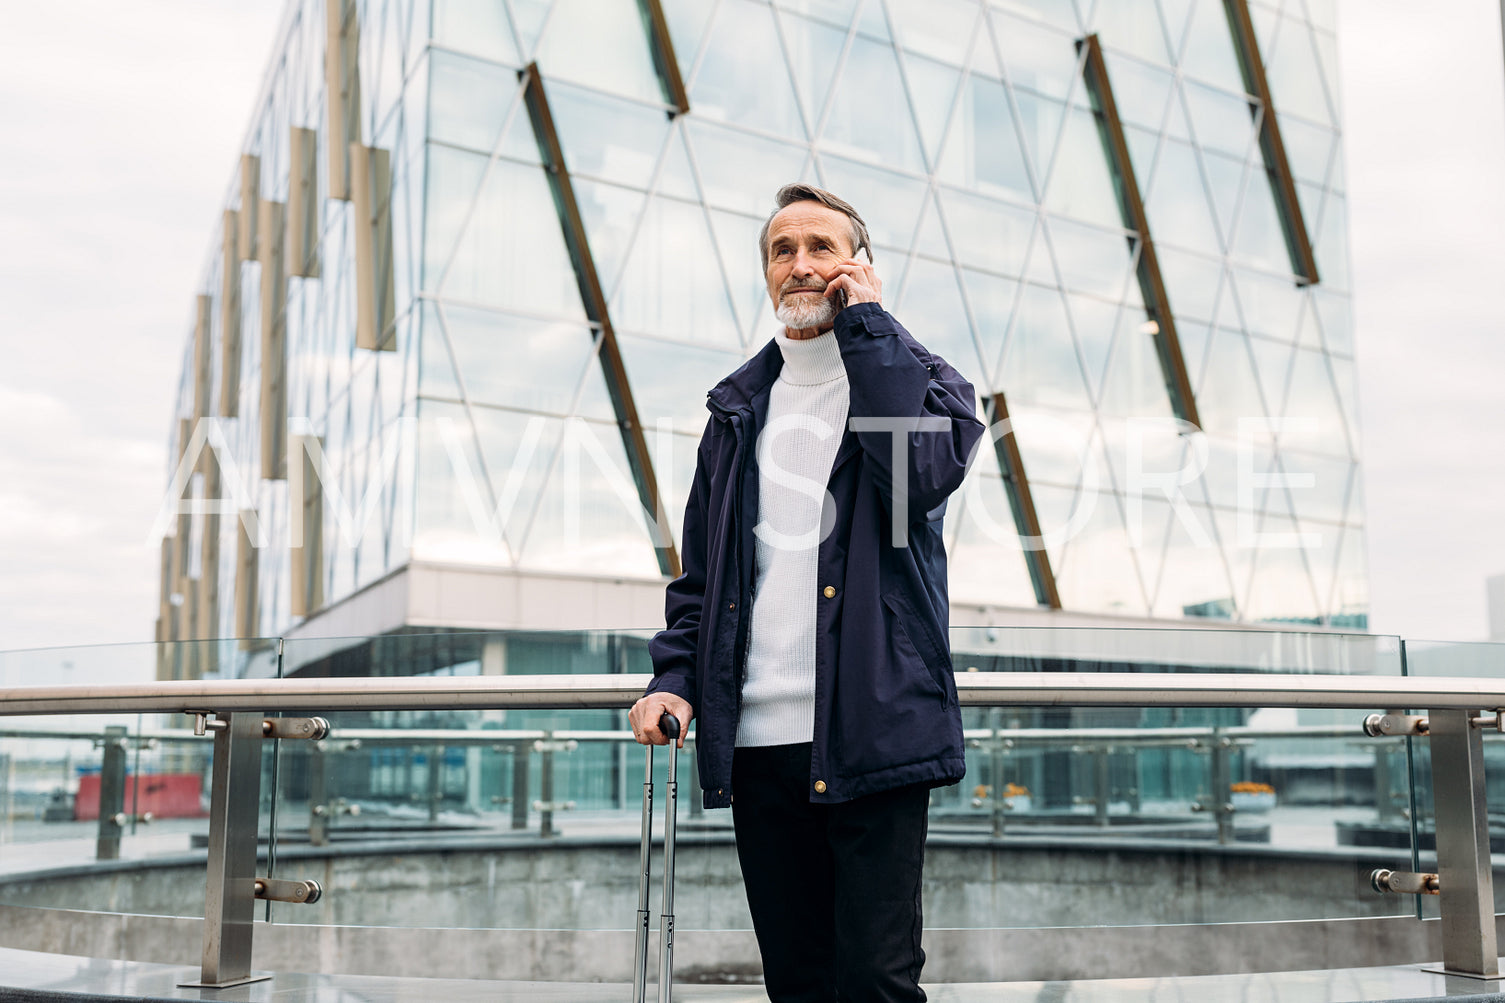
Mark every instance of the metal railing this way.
pixel 1457 713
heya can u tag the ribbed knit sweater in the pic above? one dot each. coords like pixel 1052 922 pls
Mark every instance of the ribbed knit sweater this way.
pixel 807 412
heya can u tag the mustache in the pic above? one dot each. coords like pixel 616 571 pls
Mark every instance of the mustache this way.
pixel 819 285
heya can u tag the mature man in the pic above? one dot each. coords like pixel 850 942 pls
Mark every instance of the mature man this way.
pixel 808 631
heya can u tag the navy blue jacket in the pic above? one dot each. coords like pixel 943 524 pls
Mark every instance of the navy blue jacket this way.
pixel 885 700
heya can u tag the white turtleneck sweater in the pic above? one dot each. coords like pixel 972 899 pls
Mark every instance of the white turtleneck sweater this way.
pixel 807 413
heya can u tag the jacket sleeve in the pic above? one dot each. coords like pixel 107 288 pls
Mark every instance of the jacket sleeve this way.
pixel 893 376
pixel 673 649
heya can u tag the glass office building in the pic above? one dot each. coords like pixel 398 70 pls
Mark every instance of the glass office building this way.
pixel 481 259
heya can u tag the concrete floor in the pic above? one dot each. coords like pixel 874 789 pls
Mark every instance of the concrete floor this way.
pixel 26 975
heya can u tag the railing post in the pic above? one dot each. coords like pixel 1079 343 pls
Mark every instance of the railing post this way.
pixel 318 796
pixel 546 786
pixel 1463 863
pixel 436 757
pixel 697 800
pixel 230 893
pixel 1100 784
pixel 111 794
pixel 520 802
pixel 995 762
pixel 1222 783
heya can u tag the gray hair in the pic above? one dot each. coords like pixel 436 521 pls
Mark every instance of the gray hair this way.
pixel 798 192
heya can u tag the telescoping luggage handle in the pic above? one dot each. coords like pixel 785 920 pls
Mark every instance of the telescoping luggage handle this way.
pixel 669 725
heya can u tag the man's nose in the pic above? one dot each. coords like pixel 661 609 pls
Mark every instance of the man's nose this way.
pixel 803 265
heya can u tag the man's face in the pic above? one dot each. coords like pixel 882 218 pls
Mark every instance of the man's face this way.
pixel 806 241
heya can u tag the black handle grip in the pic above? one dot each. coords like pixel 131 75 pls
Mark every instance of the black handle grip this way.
pixel 669 725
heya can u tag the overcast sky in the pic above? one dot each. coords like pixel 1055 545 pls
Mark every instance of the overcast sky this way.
pixel 120 125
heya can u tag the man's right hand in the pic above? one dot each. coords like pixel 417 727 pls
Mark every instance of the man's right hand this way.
pixel 645 715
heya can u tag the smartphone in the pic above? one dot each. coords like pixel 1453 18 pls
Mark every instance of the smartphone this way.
pixel 841 300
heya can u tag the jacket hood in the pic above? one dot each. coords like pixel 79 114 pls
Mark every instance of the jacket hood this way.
pixel 736 392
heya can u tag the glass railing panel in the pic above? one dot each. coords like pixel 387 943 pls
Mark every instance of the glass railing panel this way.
pixel 1154 649
pixel 1452 658
pixel 507 818
pixel 1132 816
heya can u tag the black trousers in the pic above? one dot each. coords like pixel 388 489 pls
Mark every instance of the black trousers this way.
pixel 834 889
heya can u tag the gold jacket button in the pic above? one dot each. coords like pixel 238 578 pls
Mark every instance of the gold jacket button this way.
pixel 820 787
pixel 830 592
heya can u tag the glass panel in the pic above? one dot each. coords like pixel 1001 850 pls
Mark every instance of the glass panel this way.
pixel 600 43
pixel 590 519
pixel 1135 383
pixel 1040 122
pixel 931 305
pixel 477 26
pixel 518 362
pixel 838 12
pixel 1093 321
pixel 1133 26
pixel 1309 148
pixel 1036 57
pixel 1208 51
pixel 687 20
pixel 1327 498
pixel 672 285
pixel 469 101
pixel 982 148
pixel 813 49
pixel 1098 572
pixel 1228 390
pixel 1192 283
pixel 1296 81
pixel 889 203
pixel 932 89
pixel 740 79
pixel 987 234
pixel 1081 175
pixel 1140 92
pixel 984 560
pixel 1332 242
pixel 939 29
pixel 1336 313
pixel 1221 121
pixel 1313 396
pixel 1040 362
pixel 670 380
pixel 611 216
pixel 737 237
pixel 991 300
pixel 1272 360
pixel 606 137
pixel 1061 13
pixel 870 116
pixel 511 253
pixel 1176 204
pixel 740 171
pixel 1259 239
pixel 1091 260
pixel 1270 307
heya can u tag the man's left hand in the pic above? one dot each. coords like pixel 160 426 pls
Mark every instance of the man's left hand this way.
pixel 858 280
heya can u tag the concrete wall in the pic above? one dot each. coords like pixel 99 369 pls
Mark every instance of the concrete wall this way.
pixel 574 883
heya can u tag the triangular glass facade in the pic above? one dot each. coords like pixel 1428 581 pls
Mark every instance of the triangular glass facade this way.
pixel 965 133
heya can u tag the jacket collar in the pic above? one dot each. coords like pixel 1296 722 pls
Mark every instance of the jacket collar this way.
pixel 737 392
pixel 747 381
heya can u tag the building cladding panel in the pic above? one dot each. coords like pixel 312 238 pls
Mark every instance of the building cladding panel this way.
pixel 966 133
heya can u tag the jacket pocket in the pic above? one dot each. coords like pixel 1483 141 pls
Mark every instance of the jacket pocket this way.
pixel 915 631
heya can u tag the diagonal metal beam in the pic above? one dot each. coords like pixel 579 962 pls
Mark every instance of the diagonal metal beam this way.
pixel 661 44
pixel 1277 166
pixel 593 295
pixel 1157 304
pixel 1022 503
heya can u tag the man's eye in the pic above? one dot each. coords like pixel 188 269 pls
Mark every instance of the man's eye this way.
pixel 781 251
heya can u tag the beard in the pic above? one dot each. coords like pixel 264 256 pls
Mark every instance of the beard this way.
pixel 804 311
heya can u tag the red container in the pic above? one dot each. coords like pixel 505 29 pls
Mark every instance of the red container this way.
pixel 165 795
